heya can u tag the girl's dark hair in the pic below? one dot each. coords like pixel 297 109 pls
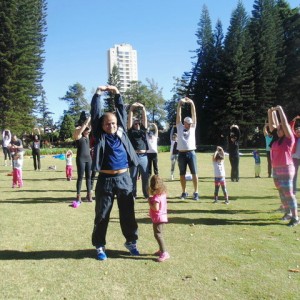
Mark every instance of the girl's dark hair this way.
pixel 276 138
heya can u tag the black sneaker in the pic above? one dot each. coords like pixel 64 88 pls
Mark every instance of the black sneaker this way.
pixel 184 196
pixel 293 222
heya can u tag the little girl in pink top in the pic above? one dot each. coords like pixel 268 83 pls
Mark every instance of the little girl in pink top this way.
pixel 158 213
pixel 282 162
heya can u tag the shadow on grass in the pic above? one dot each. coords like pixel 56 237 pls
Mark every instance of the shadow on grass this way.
pixel 67 254
pixel 41 200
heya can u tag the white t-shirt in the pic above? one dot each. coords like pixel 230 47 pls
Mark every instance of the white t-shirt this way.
pixel 69 161
pixel 219 169
pixel 186 138
pixel 152 143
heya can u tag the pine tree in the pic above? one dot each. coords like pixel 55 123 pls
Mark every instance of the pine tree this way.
pixel 23 33
pixel 267 37
pixel 288 93
pixel 238 65
pixel 200 87
pixel 44 119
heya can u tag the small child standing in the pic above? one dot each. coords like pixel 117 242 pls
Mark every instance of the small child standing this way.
pixel 256 157
pixel 17 171
pixel 158 213
pixel 69 165
pixel 219 172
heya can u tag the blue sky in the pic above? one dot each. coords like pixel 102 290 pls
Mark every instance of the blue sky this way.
pixel 162 31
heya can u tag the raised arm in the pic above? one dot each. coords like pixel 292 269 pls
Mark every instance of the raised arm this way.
pixel 144 116
pixel 79 130
pixel 292 124
pixel 265 131
pixel 171 133
pixel 193 110
pixel 155 129
pixel 179 106
pixel 130 116
pixel 284 123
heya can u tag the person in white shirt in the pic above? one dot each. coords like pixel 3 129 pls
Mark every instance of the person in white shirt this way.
pixel 152 137
pixel 6 138
pixel 186 146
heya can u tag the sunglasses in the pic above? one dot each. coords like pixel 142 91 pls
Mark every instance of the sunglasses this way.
pixel 135 124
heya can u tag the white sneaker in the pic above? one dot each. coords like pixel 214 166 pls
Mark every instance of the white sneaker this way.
pixel 172 177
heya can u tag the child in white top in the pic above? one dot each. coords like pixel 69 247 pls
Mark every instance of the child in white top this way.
pixel 158 213
pixel 219 172
pixel 69 165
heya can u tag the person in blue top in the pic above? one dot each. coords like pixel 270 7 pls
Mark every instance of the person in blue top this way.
pixel 113 155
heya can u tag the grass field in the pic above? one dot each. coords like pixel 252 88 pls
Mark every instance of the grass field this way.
pixel 237 251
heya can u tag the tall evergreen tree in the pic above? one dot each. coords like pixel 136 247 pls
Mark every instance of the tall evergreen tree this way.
pixel 44 119
pixel 23 31
pixel 7 46
pixel 201 84
pixel 238 66
pixel 267 37
pixel 288 93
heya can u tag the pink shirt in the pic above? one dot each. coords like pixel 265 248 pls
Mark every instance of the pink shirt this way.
pixel 281 155
pixel 159 216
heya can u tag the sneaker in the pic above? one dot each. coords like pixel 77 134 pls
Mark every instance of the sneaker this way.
pixel 163 256
pixel 76 204
pixel 132 248
pixel 172 177
pixel 293 222
pixel 215 201
pixel 226 202
pixel 286 217
pixel 101 254
pixel 89 198
pixel 184 196
pixel 196 196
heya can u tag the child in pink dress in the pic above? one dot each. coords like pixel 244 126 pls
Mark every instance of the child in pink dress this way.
pixel 158 213
pixel 17 171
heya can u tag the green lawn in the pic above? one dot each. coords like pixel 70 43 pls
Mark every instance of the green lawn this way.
pixel 218 251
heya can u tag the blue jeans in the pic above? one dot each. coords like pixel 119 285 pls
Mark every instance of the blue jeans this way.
pixel 143 168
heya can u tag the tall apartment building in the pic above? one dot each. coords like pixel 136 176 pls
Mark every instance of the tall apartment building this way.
pixel 125 58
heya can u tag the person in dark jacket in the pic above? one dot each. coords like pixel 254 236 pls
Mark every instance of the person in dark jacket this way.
pixel 113 155
pixel 233 150
pixel 36 149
